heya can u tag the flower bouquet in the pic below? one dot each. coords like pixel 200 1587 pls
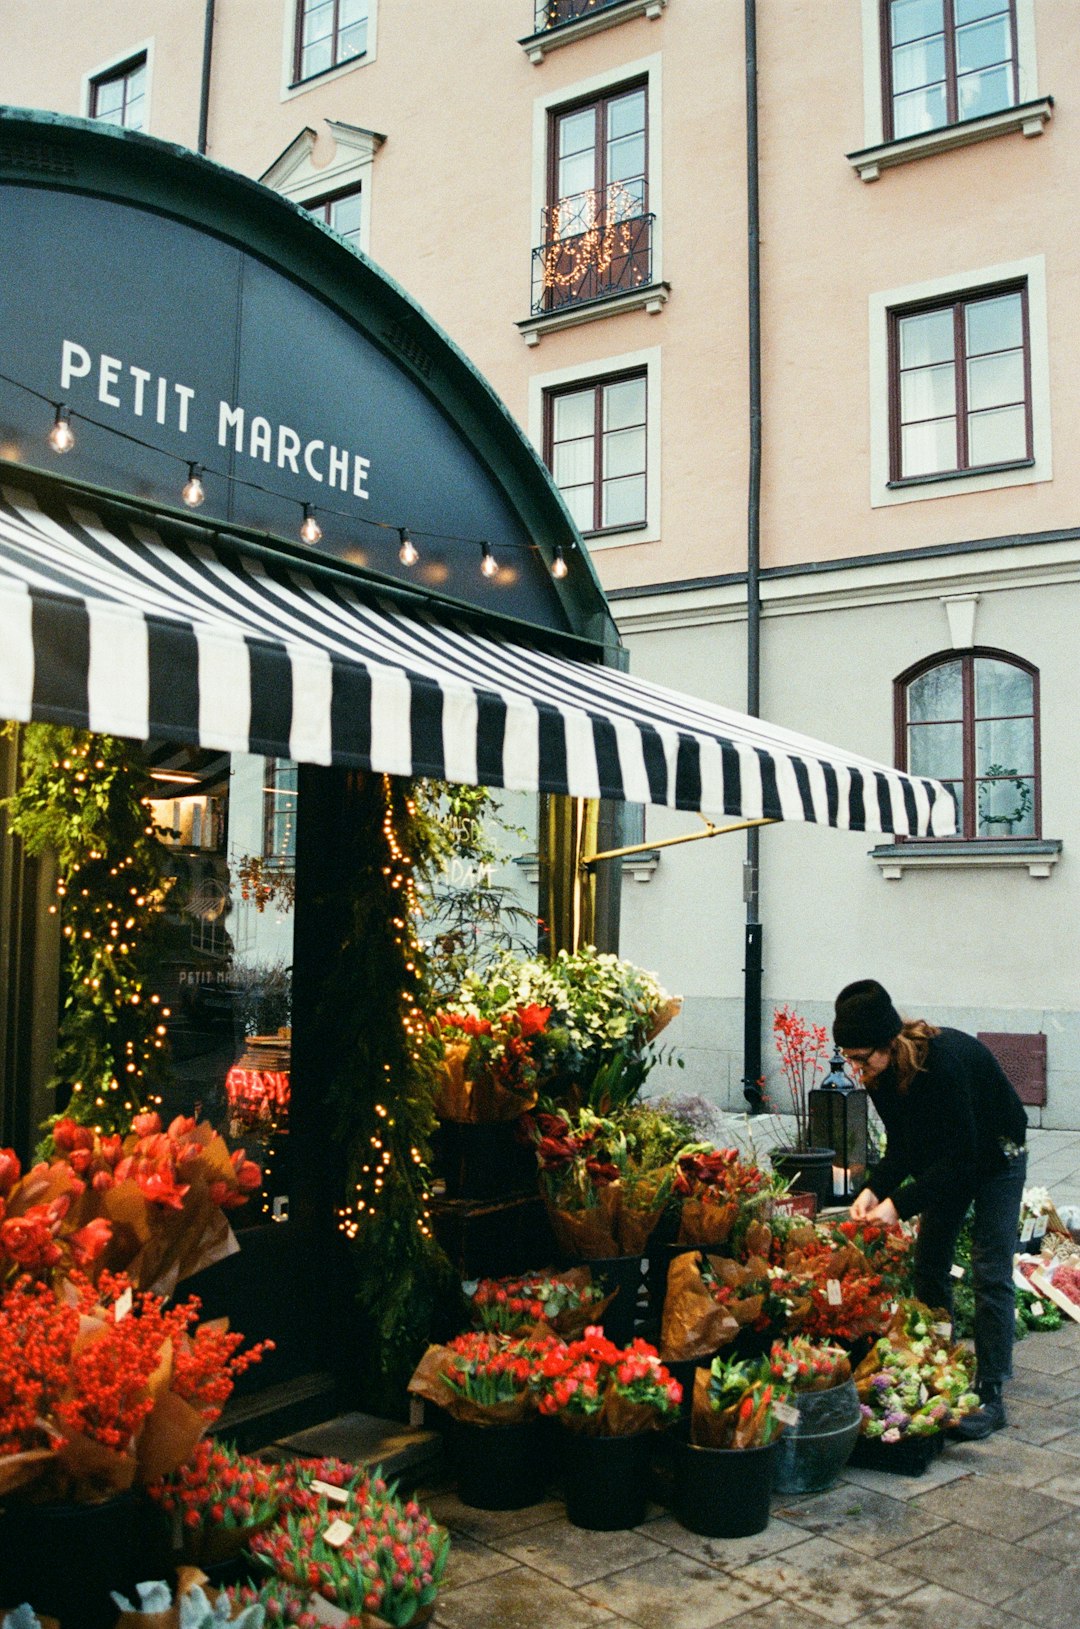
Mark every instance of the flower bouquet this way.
pixel 711 1298
pixel 164 1194
pixel 714 1188
pixel 378 1563
pixel 735 1405
pixel 38 1234
pixel 593 1386
pixel 912 1384
pixel 101 1387
pixel 482 1378
pixel 221 1499
pixel 601 1200
pixel 489 1067
pixel 888 1251
pixel 847 1297
pixel 193 1607
pixel 562 1303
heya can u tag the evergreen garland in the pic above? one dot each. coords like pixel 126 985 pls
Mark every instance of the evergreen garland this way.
pixel 83 797
pixel 384 1091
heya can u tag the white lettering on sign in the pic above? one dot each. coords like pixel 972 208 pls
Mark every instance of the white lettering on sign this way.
pixel 127 387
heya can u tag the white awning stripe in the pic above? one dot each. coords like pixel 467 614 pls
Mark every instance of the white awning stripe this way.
pixel 142 632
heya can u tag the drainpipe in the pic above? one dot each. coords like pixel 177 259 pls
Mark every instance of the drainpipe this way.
pixel 752 947
pixel 204 93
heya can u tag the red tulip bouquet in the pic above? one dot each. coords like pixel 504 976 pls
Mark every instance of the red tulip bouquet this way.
pixel 564 1303
pixel 221 1499
pixel 482 1377
pixel 596 1387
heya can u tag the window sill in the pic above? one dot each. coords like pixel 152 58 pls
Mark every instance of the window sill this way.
pixel 1028 119
pixel 906 481
pixel 640 867
pixel 652 298
pixel 537 46
pixel 325 73
pixel 1036 855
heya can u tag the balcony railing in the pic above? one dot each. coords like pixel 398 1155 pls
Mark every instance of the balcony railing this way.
pixel 591 253
pixel 550 13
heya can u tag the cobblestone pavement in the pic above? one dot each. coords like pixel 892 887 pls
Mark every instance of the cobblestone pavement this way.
pixel 983 1540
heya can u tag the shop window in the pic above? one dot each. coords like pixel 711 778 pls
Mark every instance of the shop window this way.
pixel 960 385
pixel 328 33
pixel 946 61
pixel 341 212
pixel 971 719
pixel 119 96
pixel 595 440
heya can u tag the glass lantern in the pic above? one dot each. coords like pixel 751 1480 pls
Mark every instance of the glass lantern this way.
pixel 838 1119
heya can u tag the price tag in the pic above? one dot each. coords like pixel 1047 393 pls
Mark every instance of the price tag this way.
pixel 329 1491
pixel 1027 1230
pixel 943 1330
pixel 1040 1227
pixel 336 1534
pixel 833 1293
pixel 123 1305
pixel 1036 1309
pixel 955 1271
pixel 786 1414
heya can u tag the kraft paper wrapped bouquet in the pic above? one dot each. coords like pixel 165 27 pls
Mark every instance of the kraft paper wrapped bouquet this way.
pixel 602 1201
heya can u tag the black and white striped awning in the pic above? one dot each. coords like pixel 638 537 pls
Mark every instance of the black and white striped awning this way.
pixel 131 630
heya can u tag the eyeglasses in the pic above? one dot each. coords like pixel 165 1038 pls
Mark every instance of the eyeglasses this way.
pixel 856 1057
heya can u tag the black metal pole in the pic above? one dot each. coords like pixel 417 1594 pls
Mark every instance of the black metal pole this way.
pixel 204 94
pixel 753 959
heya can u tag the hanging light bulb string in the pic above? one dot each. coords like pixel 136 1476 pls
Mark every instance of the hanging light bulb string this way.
pixel 61 438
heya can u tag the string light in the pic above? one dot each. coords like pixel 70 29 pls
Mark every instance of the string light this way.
pixel 488 563
pixel 62 436
pixel 559 567
pixel 194 492
pixel 408 553
pixel 310 530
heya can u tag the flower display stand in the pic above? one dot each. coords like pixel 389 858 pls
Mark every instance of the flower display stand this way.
pixel 605 1480
pixel 623 1274
pixel 483 1161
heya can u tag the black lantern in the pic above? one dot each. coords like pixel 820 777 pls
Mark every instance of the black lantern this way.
pixel 838 1120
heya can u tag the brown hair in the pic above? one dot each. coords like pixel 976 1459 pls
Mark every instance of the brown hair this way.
pixel 907 1051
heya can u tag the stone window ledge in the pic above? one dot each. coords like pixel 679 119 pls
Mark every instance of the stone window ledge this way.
pixel 1037 855
pixel 651 298
pixel 1028 119
pixel 638 866
pixel 536 46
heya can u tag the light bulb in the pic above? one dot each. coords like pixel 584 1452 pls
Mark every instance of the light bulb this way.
pixel 559 567
pixel 194 492
pixel 310 530
pixel 408 553
pixel 488 563
pixel 62 436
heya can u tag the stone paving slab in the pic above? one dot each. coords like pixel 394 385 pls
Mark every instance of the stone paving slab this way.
pixel 987 1568
pixel 829 1579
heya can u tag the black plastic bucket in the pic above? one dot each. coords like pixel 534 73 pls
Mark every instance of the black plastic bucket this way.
pixel 723 1492
pixel 66 1558
pixel 499 1467
pixel 606 1480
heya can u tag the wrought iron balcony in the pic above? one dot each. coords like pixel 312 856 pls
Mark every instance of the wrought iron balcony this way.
pixel 550 13
pixel 590 254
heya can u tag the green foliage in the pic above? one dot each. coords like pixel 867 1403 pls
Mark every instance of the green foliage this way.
pixel 964 1298
pixel 470 917
pixel 82 796
pixel 383 1091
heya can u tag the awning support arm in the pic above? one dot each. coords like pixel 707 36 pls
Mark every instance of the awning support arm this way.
pixel 589 860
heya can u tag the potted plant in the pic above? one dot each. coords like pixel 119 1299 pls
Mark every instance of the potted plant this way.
pixel 912 1385
pixel 608 1400
pixel 727 1449
pixel 803 1049
pixel 816 1449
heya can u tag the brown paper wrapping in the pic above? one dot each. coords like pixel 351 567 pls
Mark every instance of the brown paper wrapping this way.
pixel 430 1382
pixel 18 1470
pixel 693 1324
pixel 94 1471
pixel 709 1427
pixel 587 1233
pixel 705 1226
pixel 611 1227
pixel 475 1101
pixel 662 1017
pixel 168 1438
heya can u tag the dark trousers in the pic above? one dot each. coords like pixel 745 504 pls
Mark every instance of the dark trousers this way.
pixel 993 1243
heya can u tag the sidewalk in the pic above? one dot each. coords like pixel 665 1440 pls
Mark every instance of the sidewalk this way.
pixel 983 1540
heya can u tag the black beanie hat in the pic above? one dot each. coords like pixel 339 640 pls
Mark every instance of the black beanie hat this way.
pixel 865 1016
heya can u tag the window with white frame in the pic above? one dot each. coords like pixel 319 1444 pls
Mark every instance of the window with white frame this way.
pixel 328 34
pixel 342 213
pixel 945 61
pixel 596 439
pixel 118 96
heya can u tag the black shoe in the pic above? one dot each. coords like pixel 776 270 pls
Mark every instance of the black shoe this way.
pixel 987 1419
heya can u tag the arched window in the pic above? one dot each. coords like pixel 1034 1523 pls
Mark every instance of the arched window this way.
pixel 971 718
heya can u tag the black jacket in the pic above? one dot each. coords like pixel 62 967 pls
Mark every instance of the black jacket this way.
pixel 948 1128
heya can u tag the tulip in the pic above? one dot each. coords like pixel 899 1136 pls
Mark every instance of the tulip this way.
pixel 10 1170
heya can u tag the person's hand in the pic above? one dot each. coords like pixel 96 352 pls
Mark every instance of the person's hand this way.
pixel 862 1205
pixel 886 1213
